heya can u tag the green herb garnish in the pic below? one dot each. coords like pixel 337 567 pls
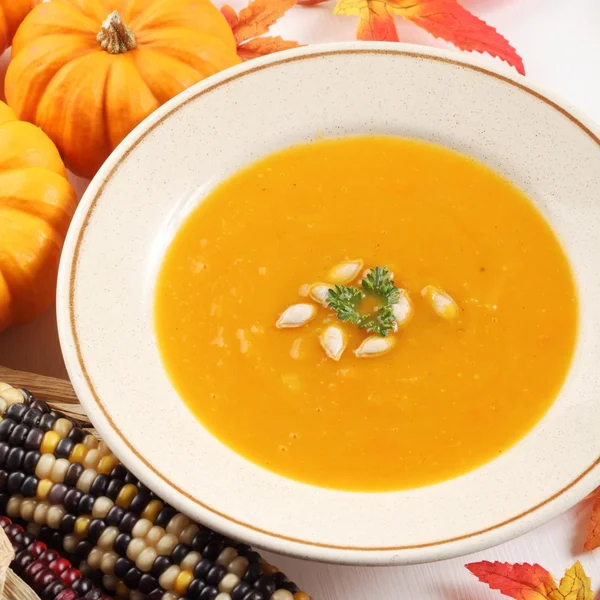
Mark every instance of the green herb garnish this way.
pixel 345 301
pixel 378 282
pixel 381 322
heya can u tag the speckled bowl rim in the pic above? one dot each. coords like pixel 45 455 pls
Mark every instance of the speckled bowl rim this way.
pixel 581 485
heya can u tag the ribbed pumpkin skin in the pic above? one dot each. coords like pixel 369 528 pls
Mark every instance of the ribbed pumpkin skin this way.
pixel 36 206
pixel 87 99
pixel 12 12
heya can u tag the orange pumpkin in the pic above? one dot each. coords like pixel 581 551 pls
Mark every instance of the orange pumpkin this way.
pixel 87 77
pixel 12 12
pixel 36 206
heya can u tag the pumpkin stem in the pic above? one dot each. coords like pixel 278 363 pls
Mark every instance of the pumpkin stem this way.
pixel 114 36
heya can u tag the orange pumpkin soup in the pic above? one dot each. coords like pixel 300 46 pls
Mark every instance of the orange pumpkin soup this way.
pixel 275 374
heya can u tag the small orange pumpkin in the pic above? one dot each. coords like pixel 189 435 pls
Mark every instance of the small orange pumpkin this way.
pixel 87 78
pixel 12 12
pixel 36 206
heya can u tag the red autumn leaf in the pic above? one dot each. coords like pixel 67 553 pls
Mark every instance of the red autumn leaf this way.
pixel 521 582
pixel 532 582
pixel 252 22
pixel 445 19
pixel 264 45
pixel 311 2
pixel 592 540
pixel 448 20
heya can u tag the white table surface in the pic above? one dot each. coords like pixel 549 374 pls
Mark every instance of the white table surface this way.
pixel 559 41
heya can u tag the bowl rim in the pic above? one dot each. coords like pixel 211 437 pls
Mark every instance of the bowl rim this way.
pixel 536 515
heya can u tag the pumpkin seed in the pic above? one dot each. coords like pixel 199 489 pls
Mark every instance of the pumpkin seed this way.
pixel 333 340
pixel 442 303
pixel 319 292
pixel 374 345
pixel 402 309
pixel 345 272
pixel 296 316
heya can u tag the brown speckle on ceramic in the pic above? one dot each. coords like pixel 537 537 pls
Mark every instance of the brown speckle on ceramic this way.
pixel 164 168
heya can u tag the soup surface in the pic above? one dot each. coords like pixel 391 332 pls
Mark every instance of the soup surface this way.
pixel 449 396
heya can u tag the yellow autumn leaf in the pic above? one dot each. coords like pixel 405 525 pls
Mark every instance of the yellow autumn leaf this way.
pixel 575 585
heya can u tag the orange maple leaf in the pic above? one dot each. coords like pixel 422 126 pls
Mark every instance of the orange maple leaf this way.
pixel 376 23
pixel 592 541
pixel 264 45
pixel 445 19
pixel 533 582
pixel 252 22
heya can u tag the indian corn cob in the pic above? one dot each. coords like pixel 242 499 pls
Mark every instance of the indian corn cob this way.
pixel 73 491
pixel 43 569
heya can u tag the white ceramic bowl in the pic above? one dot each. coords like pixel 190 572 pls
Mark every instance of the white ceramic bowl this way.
pixel 140 196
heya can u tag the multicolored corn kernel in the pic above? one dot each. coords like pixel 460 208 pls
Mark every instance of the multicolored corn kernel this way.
pixel 120 539
pixel 51 577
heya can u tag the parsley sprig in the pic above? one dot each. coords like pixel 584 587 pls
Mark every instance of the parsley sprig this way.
pixel 378 282
pixel 345 301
